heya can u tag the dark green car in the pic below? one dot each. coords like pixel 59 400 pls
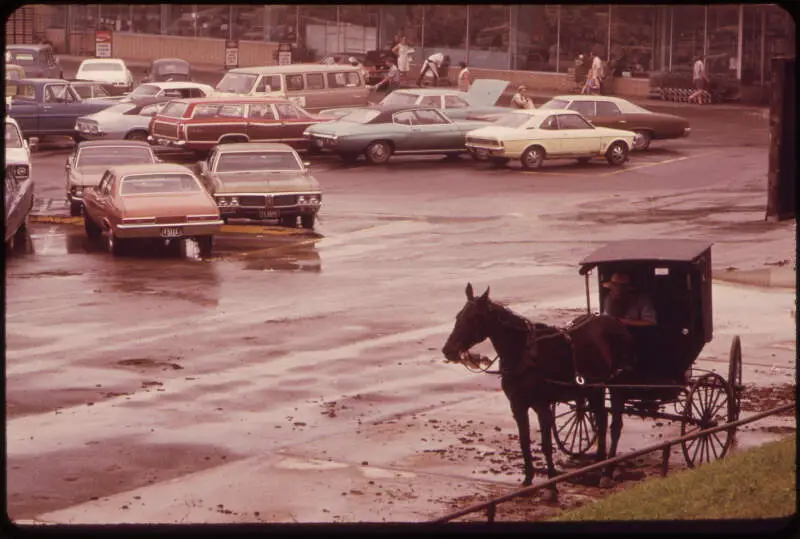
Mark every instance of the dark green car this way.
pixel 380 133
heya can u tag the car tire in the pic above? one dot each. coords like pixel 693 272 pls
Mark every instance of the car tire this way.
pixel 116 246
pixel 584 160
pixel 307 221
pixel 617 154
pixel 378 152
pixel 498 161
pixel 21 240
pixel 532 157
pixel 289 221
pixel 479 158
pixel 75 209
pixel 137 135
pixel 642 140
pixel 349 157
pixel 92 230
pixel 205 245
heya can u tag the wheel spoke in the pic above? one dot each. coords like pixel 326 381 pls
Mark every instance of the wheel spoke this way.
pixel 714 448
pixel 569 422
pixel 698 446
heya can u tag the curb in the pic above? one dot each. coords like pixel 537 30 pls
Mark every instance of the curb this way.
pixel 784 277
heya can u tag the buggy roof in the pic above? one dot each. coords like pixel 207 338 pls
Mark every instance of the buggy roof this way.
pixel 650 250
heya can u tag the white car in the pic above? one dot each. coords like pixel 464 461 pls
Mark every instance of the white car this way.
pixel 17 151
pixel 111 71
pixel 176 89
pixel 533 135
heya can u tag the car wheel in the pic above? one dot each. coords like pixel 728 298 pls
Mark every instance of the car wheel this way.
pixel 378 152
pixel 137 135
pixel 21 241
pixel 116 246
pixel 617 154
pixel 479 157
pixel 499 161
pixel 642 140
pixel 288 221
pixel 584 160
pixel 206 245
pixel 75 209
pixel 92 230
pixel 307 220
pixel 532 157
pixel 349 157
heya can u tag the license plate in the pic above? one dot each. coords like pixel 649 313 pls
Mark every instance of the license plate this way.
pixel 267 214
pixel 480 152
pixel 172 232
pixel 319 142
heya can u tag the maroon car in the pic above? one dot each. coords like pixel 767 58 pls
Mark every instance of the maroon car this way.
pixel 200 124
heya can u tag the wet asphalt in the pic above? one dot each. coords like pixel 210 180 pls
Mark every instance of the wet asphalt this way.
pixel 295 376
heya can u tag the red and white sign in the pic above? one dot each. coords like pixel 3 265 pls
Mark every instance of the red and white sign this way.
pixel 231 54
pixel 102 44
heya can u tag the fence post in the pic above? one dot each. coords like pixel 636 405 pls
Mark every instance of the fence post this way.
pixel 491 511
pixel 781 180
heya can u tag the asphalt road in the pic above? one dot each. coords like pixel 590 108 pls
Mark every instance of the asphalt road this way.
pixel 296 376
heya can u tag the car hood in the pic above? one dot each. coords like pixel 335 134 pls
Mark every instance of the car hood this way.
pixel 198 203
pixel 88 176
pixel 486 92
pixel 17 156
pixel 264 182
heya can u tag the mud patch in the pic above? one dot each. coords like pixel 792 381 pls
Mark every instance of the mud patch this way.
pixel 59 479
pixel 28 402
pixel 147 363
pixel 760 399
pixel 58 273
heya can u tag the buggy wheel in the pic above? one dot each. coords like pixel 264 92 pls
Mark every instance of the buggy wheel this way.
pixel 710 403
pixel 735 374
pixel 574 427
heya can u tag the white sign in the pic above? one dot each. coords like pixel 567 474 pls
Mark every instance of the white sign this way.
pixel 102 44
pixel 284 58
pixel 231 54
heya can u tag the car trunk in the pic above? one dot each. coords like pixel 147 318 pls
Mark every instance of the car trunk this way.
pixel 170 207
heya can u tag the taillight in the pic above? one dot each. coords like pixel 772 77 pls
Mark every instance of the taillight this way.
pixel 138 220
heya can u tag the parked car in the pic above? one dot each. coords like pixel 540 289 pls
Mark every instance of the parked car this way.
pixel 126 120
pixel 617 113
pixel 18 205
pixel 167 70
pixel 17 152
pixel 89 160
pixel 14 73
pixel 378 133
pixel 261 181
pixel 92 90
pixel 173 90
pixel 198 125
pixel 49 107
pixel 38 60
pixel 532 136
pixel 109 70
pixel 150 202
pixel 479 101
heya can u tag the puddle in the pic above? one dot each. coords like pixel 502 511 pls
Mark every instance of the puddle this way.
pixel 291 463
pixel 148 363
pixel 382 473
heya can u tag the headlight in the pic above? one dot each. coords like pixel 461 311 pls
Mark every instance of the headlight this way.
pixel 306 133
pixel 234 201
pixel 21 171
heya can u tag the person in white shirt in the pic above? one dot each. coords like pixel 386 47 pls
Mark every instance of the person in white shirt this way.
pixel 433 63
pixel 403 51
pixel 520 100
pixel 596 74
pixel 700 79
pixel 463 77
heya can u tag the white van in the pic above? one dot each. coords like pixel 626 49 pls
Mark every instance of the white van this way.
pixel 312 86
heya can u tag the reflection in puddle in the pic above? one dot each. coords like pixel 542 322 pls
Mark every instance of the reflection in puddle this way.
pixel 290 258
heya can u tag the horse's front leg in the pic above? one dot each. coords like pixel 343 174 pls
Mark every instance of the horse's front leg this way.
pixel 617 406
pixel 520 411
pixel 545 416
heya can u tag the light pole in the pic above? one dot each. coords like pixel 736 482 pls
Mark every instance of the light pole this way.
pixel 230 22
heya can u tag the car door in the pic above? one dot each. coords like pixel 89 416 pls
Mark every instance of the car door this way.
pixel 57 109
pixel 550 135
pixel 263 124
pixel 293 121
pixel 206 171
pixel 93 199
pixel 435 132
pixel 578 136
pixel 609 115
pixel 405 132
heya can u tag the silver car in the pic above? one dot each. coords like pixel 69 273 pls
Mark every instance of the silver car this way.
pixel 125 121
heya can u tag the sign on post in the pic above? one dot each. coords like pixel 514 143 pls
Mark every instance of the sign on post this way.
pixel 284 53
pixel 102 43
pixel 231 54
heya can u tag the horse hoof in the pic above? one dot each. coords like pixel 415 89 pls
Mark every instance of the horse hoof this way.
pixel 606 482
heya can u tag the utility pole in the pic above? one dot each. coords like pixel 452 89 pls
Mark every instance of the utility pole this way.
pixel 781 174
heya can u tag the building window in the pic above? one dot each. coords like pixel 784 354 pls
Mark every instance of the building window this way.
pixel 688 30
pixel 537 34
pixel 584 29
pixel 445 29
pixel 488 35
pixel 632 39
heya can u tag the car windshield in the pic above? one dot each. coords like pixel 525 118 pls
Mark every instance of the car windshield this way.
pixel 153 184
pixel 113 155
pixel 255 161
pixel 101 66
pixel 555 104
pixel 13 140
pixel 237 83
pixel 164 68
pixel 512 119
pixel 360 116
pixel 144 90
pixel 86 91
pixel 399 98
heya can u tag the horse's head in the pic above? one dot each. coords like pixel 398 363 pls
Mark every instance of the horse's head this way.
pixel 471 326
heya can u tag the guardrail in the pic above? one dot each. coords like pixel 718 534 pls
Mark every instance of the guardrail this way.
pixel 665 446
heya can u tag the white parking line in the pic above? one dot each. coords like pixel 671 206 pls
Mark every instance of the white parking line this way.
pixel 665 162
pixel 47 244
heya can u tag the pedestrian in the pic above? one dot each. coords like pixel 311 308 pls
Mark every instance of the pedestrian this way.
pixel 597 73
pixel 361 67
pixel 432 64
pixel 464 79
pixel 520 100
pixel 581 72
pixel 403 52
pixel 700 79
pixel 392 79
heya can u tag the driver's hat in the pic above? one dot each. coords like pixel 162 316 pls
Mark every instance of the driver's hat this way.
pixel 622 280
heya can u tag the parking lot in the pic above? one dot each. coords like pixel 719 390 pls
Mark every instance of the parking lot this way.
pixel 296 375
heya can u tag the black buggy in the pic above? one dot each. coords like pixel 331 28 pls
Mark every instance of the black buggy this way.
pixel 677 276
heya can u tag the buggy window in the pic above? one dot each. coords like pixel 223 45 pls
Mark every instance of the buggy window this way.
pixel 454 102
pixel 294 83
pixel 337 80
pixel 268 83
pixel 429 117
pixel 205 111
pixel 353 79
pixel 431 101
pixel 57 93
pixel 571 121
pixel 231 111
pixel 175 109
pixel 13 139
pixel 404 118
pixel 151 110
pixel 290 111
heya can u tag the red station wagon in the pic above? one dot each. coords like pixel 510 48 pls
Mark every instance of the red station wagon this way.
pixel 200 124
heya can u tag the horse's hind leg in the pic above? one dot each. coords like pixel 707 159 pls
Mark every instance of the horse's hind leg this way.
pixel 520 412
pixel 597 405
pixel 617 405
pixel 545 416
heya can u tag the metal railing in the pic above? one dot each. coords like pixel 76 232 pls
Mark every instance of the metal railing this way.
pixel 665 446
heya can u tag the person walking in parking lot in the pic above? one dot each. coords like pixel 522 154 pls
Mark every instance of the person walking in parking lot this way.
pixel 463 77
pixel 392 79
pixel 433 64
pixel 700 79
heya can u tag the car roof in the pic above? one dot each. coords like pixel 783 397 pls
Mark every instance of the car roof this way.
pixel 107 143
pixel 583 97
pixel 292 68
pixel 167 85
pixel 253 147
pixel 231 99
pixel 169 60
pixel 430 91
pixel 41 80
pixel 100 60
pixel 145 168
pixel 649 250
pixel 29 46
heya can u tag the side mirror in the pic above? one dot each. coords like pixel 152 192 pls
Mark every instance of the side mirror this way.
pixel 306 164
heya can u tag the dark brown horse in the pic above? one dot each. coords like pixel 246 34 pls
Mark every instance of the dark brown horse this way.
pixel 541 365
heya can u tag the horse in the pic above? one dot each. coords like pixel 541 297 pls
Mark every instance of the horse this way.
pixel 540 365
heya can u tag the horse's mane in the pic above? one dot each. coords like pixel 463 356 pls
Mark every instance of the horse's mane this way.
pixel 522 322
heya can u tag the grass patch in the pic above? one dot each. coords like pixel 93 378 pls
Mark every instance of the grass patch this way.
pixel 754 484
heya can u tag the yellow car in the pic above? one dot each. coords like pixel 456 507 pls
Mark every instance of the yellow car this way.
pixel 533 135
pixel 13 74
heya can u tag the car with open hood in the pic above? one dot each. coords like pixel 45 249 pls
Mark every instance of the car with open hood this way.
pixel 155 202
pixel 112 71
pixel 261 181
pixel 17 152
pixel 536 135
pixel 479 101
pixel 128 120
pixel 618 113
pixel 89 160
pixel 379 133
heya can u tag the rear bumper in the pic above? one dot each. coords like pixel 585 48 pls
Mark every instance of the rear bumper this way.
pixel 155 231
pixel 488 151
